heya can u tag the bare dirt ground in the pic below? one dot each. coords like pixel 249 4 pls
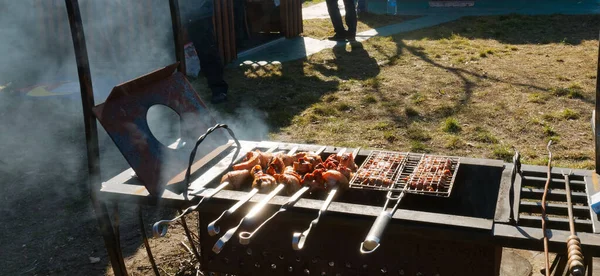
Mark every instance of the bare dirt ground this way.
pixel 439 90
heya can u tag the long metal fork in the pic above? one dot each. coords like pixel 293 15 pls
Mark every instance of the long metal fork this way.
pixel 213 228
pixel 299 238
pixel 246 236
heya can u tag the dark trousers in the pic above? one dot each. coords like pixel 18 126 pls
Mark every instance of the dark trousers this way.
pixel 201 33
pixel 336 17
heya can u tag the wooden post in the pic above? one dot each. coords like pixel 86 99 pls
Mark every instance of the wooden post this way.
pixel 597 115
pixel 91 135
pixel 177 34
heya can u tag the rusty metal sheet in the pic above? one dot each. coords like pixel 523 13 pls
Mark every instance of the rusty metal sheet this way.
pixel 123 116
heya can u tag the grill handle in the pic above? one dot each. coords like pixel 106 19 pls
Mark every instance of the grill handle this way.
pixel 372 242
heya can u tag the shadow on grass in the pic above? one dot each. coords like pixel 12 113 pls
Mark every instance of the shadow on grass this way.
pixel 517 29
pixel 282 91
pixel 299 84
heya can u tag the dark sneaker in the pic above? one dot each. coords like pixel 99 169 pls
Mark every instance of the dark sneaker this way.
pixel 337 37
pixel 218 98
pixel 351 36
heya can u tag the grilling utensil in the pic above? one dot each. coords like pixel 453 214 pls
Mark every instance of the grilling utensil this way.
pixel 246 236
pixel 160 228
pixel 247 220
pixel 299 238
pixel 213 228
pixel 574 255
pixel 409 174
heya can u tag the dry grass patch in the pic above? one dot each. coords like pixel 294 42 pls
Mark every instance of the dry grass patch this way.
pixel 321 28
pixel 423 100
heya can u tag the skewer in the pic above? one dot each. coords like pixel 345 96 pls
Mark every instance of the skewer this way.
pixel 513 176
pixel 160 228
pixel 574 255
pixel 213 228
pixel 246 236
pixel 253 212
pixel 248 219
pixel 547 262
pixel 299 238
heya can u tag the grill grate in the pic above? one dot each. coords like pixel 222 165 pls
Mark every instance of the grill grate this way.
pixel 428 175
pixel 379 170
pixel 530 205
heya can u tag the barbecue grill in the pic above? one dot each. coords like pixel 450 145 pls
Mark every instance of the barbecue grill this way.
pixel 457 233
pixel 461 234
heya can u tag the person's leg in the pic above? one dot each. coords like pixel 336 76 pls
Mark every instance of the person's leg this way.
pixel 336 17
pixel 350 18
pixel 201 33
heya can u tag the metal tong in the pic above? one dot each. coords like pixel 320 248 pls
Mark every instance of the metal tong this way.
pixel 574 255
pixel 213 228
pixel 247 220
pixel 299 238
pixel 246 236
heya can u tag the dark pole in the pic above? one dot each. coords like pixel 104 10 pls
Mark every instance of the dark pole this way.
pixel 91 136
pixel 597 115
pixel 177 34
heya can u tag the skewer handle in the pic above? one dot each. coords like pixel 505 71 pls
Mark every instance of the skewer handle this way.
pixel 299 238
pixel 160 228
pixel 213 228
pixel 575 257
pixel 372 242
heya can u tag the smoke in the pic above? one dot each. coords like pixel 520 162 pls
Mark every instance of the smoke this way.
pixel 43 165
pixel 43 161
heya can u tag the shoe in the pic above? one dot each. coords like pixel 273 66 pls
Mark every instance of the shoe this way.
pixel 351 36
pixel 218 98
pixel 337 37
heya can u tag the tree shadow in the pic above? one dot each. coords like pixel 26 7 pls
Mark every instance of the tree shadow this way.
pixel 279 92
pixel 518 29
pixel 276 92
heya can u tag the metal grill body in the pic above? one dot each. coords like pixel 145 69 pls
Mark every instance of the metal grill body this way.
pixel 333 250
pixel 462 234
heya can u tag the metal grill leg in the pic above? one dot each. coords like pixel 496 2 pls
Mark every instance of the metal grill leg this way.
pixel 189 236
pixel 110 240
pixel 146 243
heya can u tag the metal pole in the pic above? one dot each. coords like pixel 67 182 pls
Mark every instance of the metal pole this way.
pixel 91 136
pixel 177 34
pixel 597 116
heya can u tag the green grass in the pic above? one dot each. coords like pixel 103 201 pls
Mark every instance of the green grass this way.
pixel 369 99
pixel 417 133
pixel 451 125
pixel 417 98
pixel 454 142
pixel 411 112
pixel 417 146
pixel 569 114
pixel 538 98
pixel 390 136
pixel 502 152
pixel 382 126
pixel 574 91
pixel 484 136
pixel 549 130
pixel 343 107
